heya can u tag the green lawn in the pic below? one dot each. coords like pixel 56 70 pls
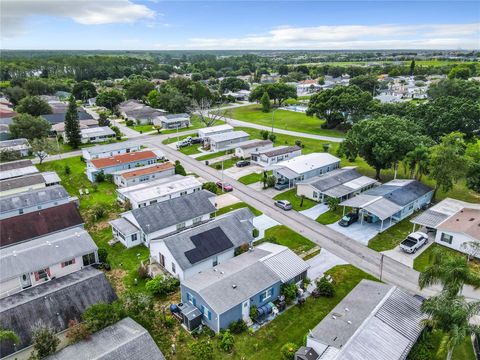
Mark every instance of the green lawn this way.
pixel 195 123
pixel 236 206
pixel 142 128
pixel 253 178
pixel 284 119
pixel 228 163
pixel 296 201
pixel 190 150
pixel 211 155
pixel 331 217
pixel 287 237
pixel 435 343
pixel 61 148
pixel 391 237
pixel 424 260
pixel 291 326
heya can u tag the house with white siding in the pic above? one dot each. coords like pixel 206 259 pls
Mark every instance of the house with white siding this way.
pixel 156 221
pixel 19 146
pixel 143 174
pixel 204 246
pixel 173 121
pixel 247 148
pixel 28 182
pixel 273 156
pixel 31 263
pixel 15 169
pixel 227 140
pixel 109 150
pixel 204 133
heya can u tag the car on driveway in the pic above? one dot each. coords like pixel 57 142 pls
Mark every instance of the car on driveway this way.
pixel 283 204
pixel 196 140
pixel 242 163
pixel 281 185
pixel 226 186
pixel 413 242
pixel 348 219
pixel 184 143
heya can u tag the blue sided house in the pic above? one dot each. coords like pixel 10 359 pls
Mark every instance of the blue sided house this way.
pixel 392 201
pixel 226 292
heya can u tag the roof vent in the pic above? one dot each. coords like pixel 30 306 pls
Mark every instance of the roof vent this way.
pixel 222 272
pixel 347 309
pixel 349 322
pixel 234 286
pixel 14 253
pixel 334 317
pixel 49 243
pixel 471 219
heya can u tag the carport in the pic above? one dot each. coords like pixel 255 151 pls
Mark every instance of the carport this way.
pixel 429 219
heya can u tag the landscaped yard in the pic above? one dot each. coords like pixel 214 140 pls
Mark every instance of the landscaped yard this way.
pixel 291 326
pixel 253 178
pixel 236 206
pixel 285 236
pixel 142 128
pixel 284 119
pixel 228 163
pixel 392 237
pixel 424 260
pixel 436 343
pixel 331 217
pixel 211 155
pixel 297 202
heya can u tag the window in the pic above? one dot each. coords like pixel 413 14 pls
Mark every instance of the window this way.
pixel 20 211
pixel 174 270
pixel 181 226
pixel 153 202
pixel 446 238
pixel 42 274
pixel 197 220
pixel 68 263
pixel 89 259
pixel 134 237
pixel 215 261
pixel 315 194
pixel 183 193
pixel 267 294
pixel 191 299
pixel 206 312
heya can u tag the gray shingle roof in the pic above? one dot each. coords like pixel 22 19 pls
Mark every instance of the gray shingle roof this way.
pixel 13 142
pixel 236 225
pixel 44 251
pixel 27 180
pixel 15 165
pixel 56 303
pixel 32 198
pixel 124 340
pixel 110 147
pixel 333 178
pixel 406 194
pixel 174 211
pixel 282 151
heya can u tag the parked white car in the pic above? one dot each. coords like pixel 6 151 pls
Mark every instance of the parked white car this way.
pixel 413 242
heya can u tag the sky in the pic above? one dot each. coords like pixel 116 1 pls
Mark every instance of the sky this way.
pixel 250 25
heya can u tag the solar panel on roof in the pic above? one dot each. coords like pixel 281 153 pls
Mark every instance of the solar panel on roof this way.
pixel 208 243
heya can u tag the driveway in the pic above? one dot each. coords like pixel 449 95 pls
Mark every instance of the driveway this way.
pixel 356 231
pixel 238 172
pixel 225 200
pixel 262 223
pixel 314 212
pixel 270 192
pixel 407 259
pixel 321 263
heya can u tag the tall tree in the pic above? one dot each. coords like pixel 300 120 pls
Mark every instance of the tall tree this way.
pixel 473 172
pixel 368 83
pixel 110 99
pixel 417 161
pixel 29 127
pixel 41 148
pixel 265 100
pixel 72 124
pixel 34 106
pixel 448 162
pixel 84 90
pixel 412 67
pixel 205 111
pixel 138 89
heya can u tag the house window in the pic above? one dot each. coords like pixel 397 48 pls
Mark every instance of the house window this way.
pixel 197 220
pixel 89 259
pixel 315 194
pixel 215 261
pixel 134 237
pixel 20 211
pixel 42 274
pixel 183 193
pixel 68 263
pixel 174 270
pixel 191 299
pixel 267 294
pixel 153 202
pixel 181 226
pixel 206 312
pixel 446 238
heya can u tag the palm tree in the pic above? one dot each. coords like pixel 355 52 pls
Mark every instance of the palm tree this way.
pixel 452 272
pixel 416 161
pixel 452 315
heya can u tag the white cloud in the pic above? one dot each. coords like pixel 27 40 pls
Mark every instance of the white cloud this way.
pixel 14 13
pixel 387 36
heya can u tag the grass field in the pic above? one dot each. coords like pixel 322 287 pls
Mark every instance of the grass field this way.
pixel 228 163
pixel 284 119
pixel 331 217
pixel 287 237
pixel 296 201
pixel 391 237
pixel 253 178
pixel 211 156
pixel 236 206
pixel 436 344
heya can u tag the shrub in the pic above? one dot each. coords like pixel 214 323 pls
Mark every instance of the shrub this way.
pixel 139 306
pixel 271 180
pixel 98 212
pixel 100 177
pixel 326 147
pixel 109 178
pixel 202 350
pixel 264 134
pixel 44 340
pixel 255 232
pixel 102 255
pixel 272 137
pixel 306 281
pixel 67 170
pixel 288 351
pixel 333 203
pixel 162 286
pixel 99 316
pixel 325 287
pixel 241 249
pixel 227 341
pixel 298 143
pixel 130 123
pixel 142 272
pixel 237 327
pixel 179 169
pixel 218 166
pixel 77 331
pixel 210 186
pixel 290 292
pixel 253 312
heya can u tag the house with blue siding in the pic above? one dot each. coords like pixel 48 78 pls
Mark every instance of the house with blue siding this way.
pixel 304 167
pixel 226 292
pixel 392 201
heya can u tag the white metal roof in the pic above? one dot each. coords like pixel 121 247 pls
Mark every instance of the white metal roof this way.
pixel 51 177
pixel 360 182
pixel 96 131
pixel 7 174
pixel 304 163
pixel 214 129
pixel 283 261
pixel 231 135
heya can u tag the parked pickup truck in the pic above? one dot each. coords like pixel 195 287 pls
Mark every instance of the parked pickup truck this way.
pixel 413 242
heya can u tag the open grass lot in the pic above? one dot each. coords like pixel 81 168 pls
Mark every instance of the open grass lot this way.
pixel 424 259
pixel 436 343
pixel 392 237
pixel 297 202
pixel 459 191
pixel 291 326
pixel 253 178
pixel 142 128
pixel 211 155
pixel 60 147
pixel 236 206
pixel 287 237
pixel 228 163
pixel 284 119
pixel 331 217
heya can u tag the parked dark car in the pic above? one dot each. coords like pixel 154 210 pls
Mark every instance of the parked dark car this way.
pixel 348 219
pixel 283 204
pixel 280 185
pixel 197 140
pixel 226 186
pixel 242 163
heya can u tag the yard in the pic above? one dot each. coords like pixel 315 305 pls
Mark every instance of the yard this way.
pixel 253 178
pixel 210 156
pixel 228 163
pixel 142 128
pixel 424 260
pixel 392 237
pixel 236 206
pixel 285 236
pixel 331 217
pixel 436 344
pixel 284 119
pixel 297 202
pixel 291 326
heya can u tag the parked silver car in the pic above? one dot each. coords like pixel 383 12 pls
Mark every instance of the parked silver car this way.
pixel 283 204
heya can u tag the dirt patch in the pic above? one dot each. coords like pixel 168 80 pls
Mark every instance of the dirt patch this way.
pixel 116 278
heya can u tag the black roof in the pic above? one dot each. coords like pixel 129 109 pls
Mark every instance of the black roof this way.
pixel 60 117
pixel 208 243
pixel 406 194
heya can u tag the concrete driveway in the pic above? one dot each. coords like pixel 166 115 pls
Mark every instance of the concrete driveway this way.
pixel 407 259
pixel 356 231
pixel 238 172
pixel 314 212
pixel 321 263
pixel 270 192
pixel 225 200
pixel 262 223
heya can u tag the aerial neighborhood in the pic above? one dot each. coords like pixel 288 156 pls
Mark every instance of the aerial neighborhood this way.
pixel 316 204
